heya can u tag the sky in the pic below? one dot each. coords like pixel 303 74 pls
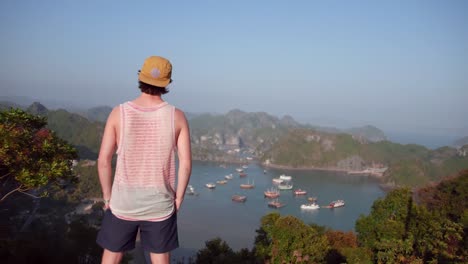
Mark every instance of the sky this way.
pixel 399 65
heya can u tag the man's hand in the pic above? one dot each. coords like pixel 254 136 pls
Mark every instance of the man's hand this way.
pixel 178 203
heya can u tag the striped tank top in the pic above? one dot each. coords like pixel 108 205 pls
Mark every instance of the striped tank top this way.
pixel 144 180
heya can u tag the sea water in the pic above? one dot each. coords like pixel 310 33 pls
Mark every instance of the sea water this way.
pixel 211 213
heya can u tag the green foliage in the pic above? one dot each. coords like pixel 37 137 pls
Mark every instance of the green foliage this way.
pixel 399 231
pixel 408 165
pixel 449 197
pixel 387 219
pixel 411 172
pixel 77 130
pixel 218 251
pixel 358 255
pixel 435 237
pixel 88 185
pixel 291 240
pixel 31 156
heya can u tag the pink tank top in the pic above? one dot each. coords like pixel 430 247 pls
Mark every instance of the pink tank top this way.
pixel 144 181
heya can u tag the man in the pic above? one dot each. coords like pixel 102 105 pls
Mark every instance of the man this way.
pixel 145 133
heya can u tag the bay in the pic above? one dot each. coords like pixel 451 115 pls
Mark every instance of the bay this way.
pixel 212 213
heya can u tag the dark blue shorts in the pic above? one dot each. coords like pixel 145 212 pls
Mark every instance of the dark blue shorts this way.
pixel 119 235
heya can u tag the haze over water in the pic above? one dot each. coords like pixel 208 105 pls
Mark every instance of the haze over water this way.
pixel 212 213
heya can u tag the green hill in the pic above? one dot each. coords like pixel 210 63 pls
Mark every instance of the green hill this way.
pixel 84 134
pixel 408 165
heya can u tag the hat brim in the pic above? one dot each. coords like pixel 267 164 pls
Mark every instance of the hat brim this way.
pixel 151 81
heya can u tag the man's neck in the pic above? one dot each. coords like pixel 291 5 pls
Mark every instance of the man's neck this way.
pixel 147 100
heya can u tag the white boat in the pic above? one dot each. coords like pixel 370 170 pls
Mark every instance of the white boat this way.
pixel 210 185
pixel 239 170
pixel 300 192
pixel 310 206
pixel 245 167
pixel 228 177
pixel 190 190
pixel 221 182
pixel 285 177
pixel 337 203
pixel 285 186
pixel 277 180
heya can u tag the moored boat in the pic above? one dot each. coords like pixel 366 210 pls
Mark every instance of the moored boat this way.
pixel 300 192
pixel 271 193
pixel 242 174
pixel 221 182
pixel 239 170
pixel 310 206
pixel 277 180
pixel 276 204
pixel 335 204
pixel 285 177
pixel 285 186
pixel 247 185
pixel 190 190
pixel 239 198
pixel 228 177
pixel 210 185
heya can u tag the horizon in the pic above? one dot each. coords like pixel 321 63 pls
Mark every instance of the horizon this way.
pixel 395 65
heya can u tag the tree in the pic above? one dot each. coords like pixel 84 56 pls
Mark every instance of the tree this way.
pixel 291 240
pixel 384 230
pixel 216 251
pixel 32 157
pixel 435 237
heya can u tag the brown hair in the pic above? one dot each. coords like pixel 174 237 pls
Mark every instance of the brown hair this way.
pixel 151 89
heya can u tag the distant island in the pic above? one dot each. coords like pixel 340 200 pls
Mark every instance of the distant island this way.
pixel 242 137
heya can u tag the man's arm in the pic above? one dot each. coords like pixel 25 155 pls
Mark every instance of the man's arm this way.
pixel 106 152
pixel 185 156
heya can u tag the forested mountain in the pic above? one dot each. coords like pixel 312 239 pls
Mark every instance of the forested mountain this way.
pixel 84 134
pixel 99 113
pixel 278 142
pixel 411 164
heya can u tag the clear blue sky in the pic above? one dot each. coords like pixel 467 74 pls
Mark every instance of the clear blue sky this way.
pixel 398 65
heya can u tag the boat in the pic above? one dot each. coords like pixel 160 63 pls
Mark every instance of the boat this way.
pixel 285 177
pixel 335 204
pixel 271 193
pixel 210 185
pixel 228 177
pixel 277 180
pixel 276 204
pixel 245 167
pixel 239 198
pixel 242 174
pixel 221 182
pixel 285 186
pixel 239 170
pixel 247 185
pixel 312 199
pixel 310 206
pixel 190 190
pixel 300 192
